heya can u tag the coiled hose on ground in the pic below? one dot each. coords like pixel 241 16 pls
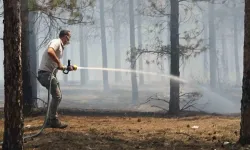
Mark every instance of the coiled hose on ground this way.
pixel 47 114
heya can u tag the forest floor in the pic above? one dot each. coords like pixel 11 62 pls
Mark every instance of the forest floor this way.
pixel 207 132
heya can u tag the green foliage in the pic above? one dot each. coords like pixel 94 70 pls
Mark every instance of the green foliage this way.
pixel 32 5
pixel 52 4
pixel 71 10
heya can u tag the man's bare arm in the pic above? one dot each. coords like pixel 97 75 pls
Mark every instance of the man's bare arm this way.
pixel 52 54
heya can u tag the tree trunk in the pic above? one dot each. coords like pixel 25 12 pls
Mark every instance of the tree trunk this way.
pixel 183 67
pixel 104 47
pixel 162 58
pixel 83 53
pixel 205 54
pixel 245 105
pixel 133 52
pixel 86 73
pixel 72 56
pixel 37 66
pixel 174 105
pixel 236 54
pixel 27 87
pixel 168 59
pixel 139 23
pixel 224 54
pixel 116 24
pixel 212 47
pixel 149 77
pixel 33 56
pixel 13 106
pixel 162 68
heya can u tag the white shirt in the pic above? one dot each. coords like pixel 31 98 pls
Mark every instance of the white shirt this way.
pixel 47 63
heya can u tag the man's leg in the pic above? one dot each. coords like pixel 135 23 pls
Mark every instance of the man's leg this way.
pixel 44 79
pixel 56 99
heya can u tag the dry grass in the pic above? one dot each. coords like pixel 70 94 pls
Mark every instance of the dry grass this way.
pixel 113 133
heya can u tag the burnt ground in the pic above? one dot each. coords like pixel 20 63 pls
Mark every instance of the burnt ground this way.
pixel 91 130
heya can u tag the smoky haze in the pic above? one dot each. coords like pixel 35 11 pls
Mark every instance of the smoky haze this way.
pixel 211 56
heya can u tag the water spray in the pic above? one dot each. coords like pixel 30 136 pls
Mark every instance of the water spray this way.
pixel 135 71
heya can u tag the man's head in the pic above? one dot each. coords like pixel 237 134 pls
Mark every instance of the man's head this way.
pixel 65 36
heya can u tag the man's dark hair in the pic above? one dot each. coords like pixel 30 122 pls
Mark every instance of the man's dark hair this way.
pixel 63 33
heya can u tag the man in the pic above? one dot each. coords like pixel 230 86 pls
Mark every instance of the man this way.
pixel 50 61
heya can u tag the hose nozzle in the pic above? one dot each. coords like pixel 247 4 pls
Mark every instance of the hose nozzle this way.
pixel 74 67
pixel 68 68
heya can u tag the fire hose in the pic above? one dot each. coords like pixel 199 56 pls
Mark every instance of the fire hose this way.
pixel 66 70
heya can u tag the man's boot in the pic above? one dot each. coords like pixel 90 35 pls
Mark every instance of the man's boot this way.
pixel 56 123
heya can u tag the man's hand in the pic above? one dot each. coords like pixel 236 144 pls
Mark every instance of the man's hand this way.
pixel 61 67
pixel 70 68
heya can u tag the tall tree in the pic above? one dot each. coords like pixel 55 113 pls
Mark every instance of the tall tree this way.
pixel 83 37
pixel 104 47
pixel 116 24
pixel 86 38
pixel 174 105
pixel 205 54
pixel 224 55
pixel 27 86
pixel 236 53
pixel 133 52
pixel 245 105
pixel 13 124
pixel 212 45
pixel 174 49
pixel 168 11
pixel 139 34
pixel 33 57
pixel 72 54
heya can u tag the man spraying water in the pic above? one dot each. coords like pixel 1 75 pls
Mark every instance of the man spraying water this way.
pixel 47 75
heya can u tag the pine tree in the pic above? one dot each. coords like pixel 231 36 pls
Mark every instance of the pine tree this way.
pixel 13 124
